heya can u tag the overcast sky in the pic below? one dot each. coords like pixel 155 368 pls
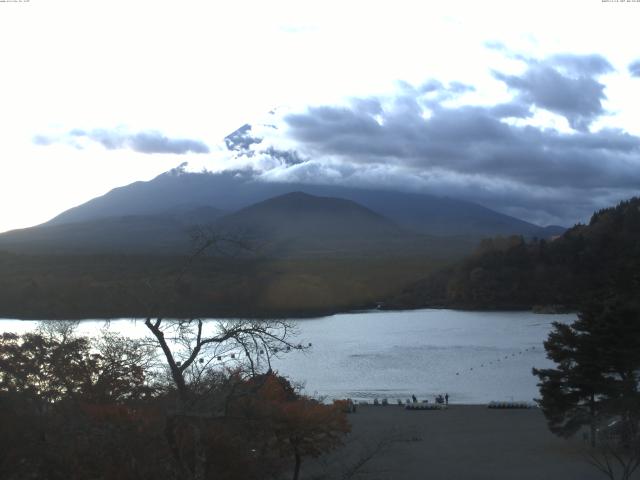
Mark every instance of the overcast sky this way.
pixel 531 108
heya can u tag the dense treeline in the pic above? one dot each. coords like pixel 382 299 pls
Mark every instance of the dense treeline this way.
pixel 112 286
pixel 586 261
pixel 109 408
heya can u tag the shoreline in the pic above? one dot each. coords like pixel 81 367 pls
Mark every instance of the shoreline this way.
pixel 292 315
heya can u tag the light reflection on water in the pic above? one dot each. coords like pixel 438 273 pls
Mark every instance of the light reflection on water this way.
pixel 476 357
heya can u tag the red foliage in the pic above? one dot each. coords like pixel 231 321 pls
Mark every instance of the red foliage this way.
pixel 300 424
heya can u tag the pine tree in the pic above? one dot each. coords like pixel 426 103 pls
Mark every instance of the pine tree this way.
pixel 598 369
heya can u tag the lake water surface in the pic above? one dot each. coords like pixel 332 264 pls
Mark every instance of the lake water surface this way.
pixel 475 357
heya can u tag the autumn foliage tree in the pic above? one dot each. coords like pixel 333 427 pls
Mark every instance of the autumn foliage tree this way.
pixel 296 426
pixel 186 403
pixel 51 390
pixel 223 398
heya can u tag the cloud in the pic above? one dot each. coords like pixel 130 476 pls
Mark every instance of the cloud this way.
pixel 501 155
pixel 244 143
pixel 470 140
pixel 538 204
pixel 150 141
pixel 493 154
pixel 495 45
pixel 241 139
pixel 155 142
pixel 583 64
pixel 634 68
pixel 510 110
pixel 41 140
pixel 564 84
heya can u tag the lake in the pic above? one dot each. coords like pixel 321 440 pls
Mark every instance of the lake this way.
pixel 475 357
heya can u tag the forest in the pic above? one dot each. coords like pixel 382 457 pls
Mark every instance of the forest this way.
pixel 180 404
pixel 117 286
pixel 546 275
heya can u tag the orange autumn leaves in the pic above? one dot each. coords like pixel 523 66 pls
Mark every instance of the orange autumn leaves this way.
pixel 300 424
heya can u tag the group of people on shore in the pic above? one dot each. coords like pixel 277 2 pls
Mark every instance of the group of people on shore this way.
pixel 439 399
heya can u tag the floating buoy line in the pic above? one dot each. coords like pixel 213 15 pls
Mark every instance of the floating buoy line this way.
pixel 506 357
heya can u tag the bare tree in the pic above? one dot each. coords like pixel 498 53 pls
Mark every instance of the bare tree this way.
pixel 197 353
pixel 363 451
pixel 190 351
pixel 618 453
pixel 61 330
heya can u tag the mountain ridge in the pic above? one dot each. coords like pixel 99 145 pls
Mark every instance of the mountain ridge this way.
pixel 302 213
pixel 233 190
pixel 293 224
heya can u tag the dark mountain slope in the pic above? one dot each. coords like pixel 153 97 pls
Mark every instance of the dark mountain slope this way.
pixel 165 233
pixel 585 262
pixel 291 225
pixel 301 225
pixel 233 190
pixel 303 216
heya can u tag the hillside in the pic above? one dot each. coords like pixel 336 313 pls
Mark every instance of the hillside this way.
pixel 301 224
pixel 313 250
pixel 307 255
pixel 300 215
pixel 511 273
pixel 294 224
pixel 231 191
pixel 165 233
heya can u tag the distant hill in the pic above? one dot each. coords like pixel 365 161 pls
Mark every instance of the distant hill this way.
pixel 295 224
pixel 231 191
pixel 301 215
pixel 157 216
pixel 164 233
pixel 309 255
pixel 303 225
pixel 585 262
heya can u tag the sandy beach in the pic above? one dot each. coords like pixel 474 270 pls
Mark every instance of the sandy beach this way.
pixel 462 442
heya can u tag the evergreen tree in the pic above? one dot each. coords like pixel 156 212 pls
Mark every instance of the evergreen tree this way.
pixel 615 327
pixel 572 392
pixel 598 369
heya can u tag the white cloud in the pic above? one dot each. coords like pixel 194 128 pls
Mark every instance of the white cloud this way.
pixel 199 69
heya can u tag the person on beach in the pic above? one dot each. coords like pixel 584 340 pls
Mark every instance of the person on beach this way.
pixel 446 399
pixel 415 400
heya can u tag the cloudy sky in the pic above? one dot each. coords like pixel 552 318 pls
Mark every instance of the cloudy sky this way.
pixel 531 108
